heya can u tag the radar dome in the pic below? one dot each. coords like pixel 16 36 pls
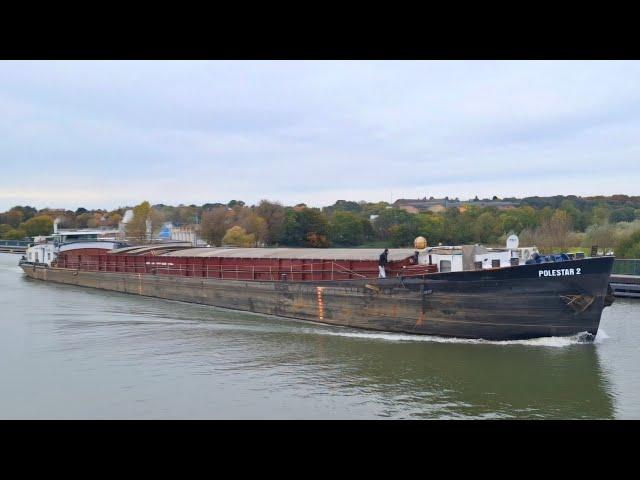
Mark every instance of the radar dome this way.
pixel 420 243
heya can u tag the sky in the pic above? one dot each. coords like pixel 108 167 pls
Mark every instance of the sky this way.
pixel 105 134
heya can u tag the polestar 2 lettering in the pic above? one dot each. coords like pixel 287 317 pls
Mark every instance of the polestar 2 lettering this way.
pixel 559 272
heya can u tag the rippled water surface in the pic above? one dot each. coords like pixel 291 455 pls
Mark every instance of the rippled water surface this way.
pixel 73 352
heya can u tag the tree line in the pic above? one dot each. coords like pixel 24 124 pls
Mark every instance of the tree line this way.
pixel 551 223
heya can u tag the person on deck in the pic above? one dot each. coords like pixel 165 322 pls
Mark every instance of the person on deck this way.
pixel 382 263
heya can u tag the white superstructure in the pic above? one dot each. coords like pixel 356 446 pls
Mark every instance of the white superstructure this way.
pixel 46 248
pixel 471 257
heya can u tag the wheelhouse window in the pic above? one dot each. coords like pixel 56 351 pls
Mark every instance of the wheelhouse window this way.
pixel 445 265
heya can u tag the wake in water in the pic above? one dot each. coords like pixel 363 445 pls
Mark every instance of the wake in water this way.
pixel 10 268
pixel 581 338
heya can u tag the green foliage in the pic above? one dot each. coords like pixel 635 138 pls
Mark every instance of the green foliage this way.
pixel 304 226
pixel 626 214
pixel 518 219
pixel 579 220
pixel 15 234
pixel 9 233
pixel 387 219
pixel 347 228
pixel 600 215
pixel 629 247
pixel 40 225
pixel 343 206
pixel 602 235
pixel 457 228
pixel 422 224
pixel 486 228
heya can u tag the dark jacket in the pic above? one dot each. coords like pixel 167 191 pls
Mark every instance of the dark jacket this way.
pixel 383 259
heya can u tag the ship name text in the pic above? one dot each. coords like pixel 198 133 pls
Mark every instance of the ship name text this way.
pixel 559 272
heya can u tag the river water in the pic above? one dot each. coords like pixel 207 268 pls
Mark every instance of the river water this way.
pixel 70 352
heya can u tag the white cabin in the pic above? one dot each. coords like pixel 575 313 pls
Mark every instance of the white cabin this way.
pixel 46 248
pixel 470 257
pixel 42 253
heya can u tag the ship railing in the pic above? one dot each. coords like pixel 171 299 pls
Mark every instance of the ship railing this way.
pixel 340 267
pixel 230 272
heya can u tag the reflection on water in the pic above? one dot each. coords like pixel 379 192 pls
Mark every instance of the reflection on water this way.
pixel 71 352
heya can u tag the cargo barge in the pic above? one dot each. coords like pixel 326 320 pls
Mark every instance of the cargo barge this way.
pixel 342 286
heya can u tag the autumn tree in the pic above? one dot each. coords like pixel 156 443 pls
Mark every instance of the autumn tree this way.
pixel 254 224
pixel 315 240
pixel 113 219
pixel 559 228
pixel 238 237
pixel 273 214
pixel 13 217
pixel 214 225
pixel 137 227
pixel 554 232
pixel 601 235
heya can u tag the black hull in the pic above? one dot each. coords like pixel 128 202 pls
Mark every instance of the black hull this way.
pixel 518 302
pixel 501 304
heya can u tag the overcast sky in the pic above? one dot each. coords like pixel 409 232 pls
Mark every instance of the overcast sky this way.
pixel 108 134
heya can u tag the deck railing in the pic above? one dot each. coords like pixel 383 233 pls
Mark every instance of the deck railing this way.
pixel 235 272
pixel 15 243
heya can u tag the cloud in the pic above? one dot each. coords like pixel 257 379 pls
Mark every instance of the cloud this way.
pixel 105 134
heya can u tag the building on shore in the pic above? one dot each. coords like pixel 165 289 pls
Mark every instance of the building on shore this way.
pixel 180 233
pixel 438 205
